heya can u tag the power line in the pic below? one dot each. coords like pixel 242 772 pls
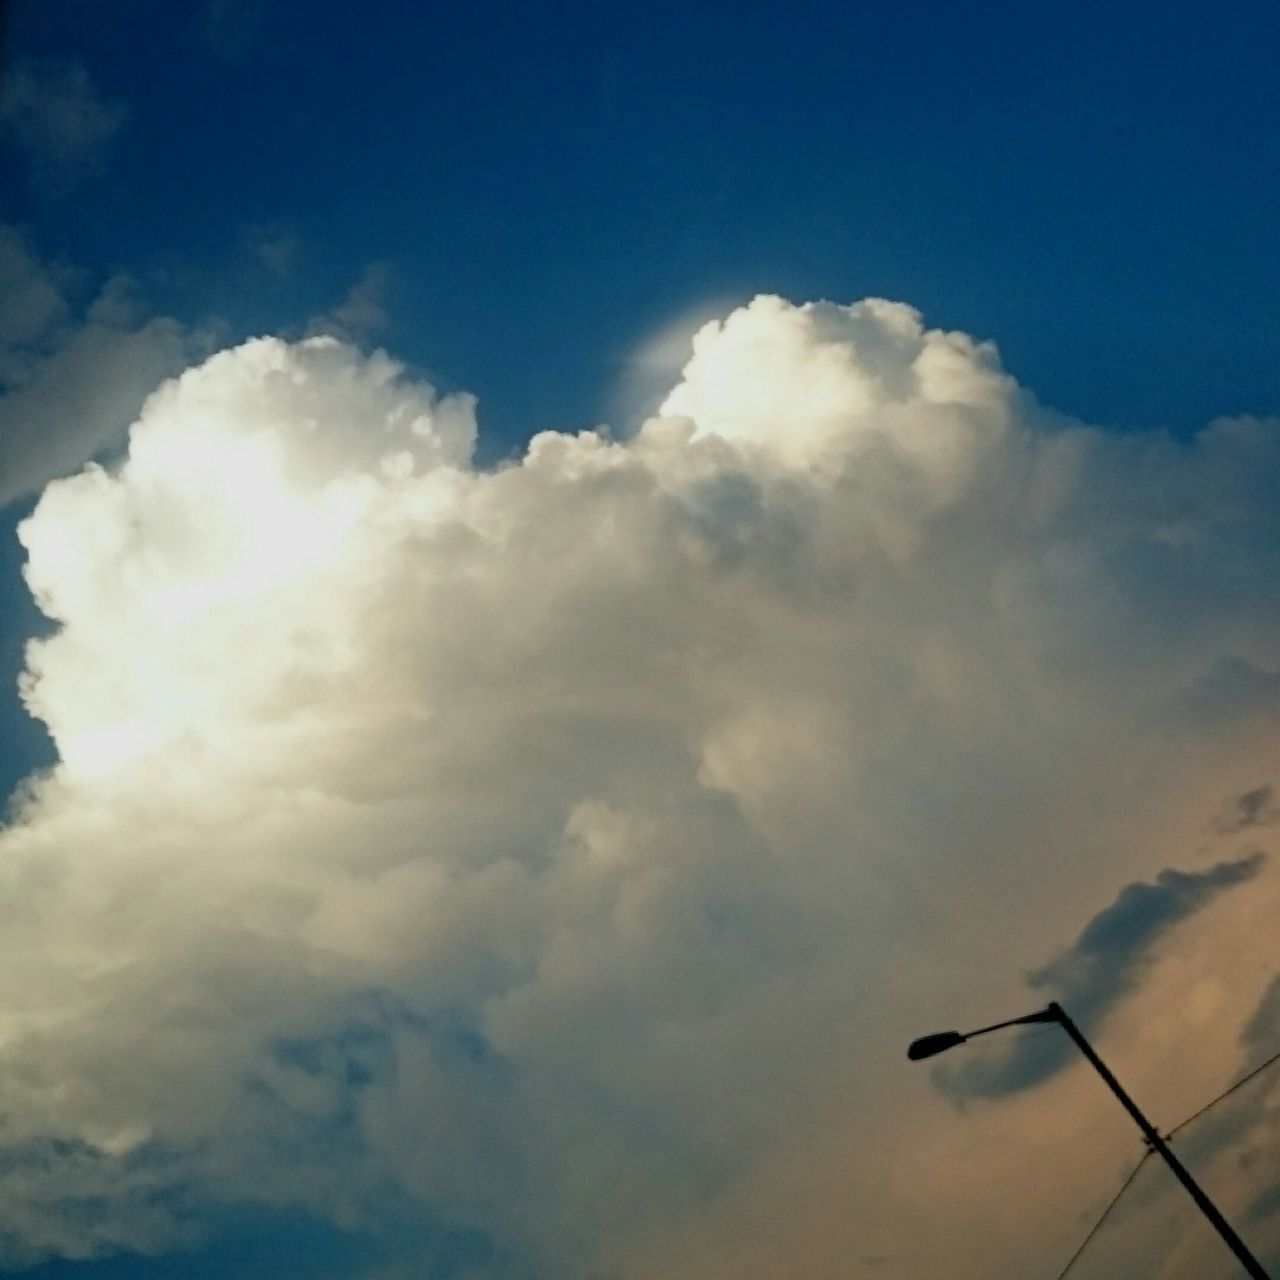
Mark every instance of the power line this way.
pixel 1275 1057
pixel 1106 1213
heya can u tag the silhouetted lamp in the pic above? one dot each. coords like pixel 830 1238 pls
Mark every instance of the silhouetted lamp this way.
pixel 927 1046
pixel 941 1041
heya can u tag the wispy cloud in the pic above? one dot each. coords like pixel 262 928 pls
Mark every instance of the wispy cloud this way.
pixel 273 245
pixel 1257 807
pixel 362 312
pixel 63 122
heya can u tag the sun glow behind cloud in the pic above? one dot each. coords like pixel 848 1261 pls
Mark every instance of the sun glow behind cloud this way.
pixel 563 844
pixel 215 515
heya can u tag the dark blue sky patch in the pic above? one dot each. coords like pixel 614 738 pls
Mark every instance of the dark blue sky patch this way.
pixel 552 186
pixel 257 1244
pixel 24 744
pixel 255 1248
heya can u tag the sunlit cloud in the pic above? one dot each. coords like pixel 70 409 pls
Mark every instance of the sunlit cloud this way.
pixel 569 849
pixel 654 366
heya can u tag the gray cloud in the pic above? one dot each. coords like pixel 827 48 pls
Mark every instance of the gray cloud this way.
pixel 73 375
pixel 362 313
pixel 1255 808
pixel 60 119
pixel 1104 964
pixel 1263 1028
pixel 33 305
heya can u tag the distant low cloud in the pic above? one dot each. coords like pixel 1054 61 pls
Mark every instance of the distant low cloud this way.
pixel 1096 972
pixel 60 118
pixel 562 853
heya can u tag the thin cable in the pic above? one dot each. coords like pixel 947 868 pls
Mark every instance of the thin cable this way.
pixel 1275 1057
pixel 1106 1213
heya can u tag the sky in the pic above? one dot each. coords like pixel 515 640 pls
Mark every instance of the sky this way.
pixel 573 578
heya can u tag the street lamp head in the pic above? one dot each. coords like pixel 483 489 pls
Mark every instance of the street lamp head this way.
pixel 939 1042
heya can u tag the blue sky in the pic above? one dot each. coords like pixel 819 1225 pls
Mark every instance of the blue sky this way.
pixel 1094 186
pixel 525 202
pixel 542 189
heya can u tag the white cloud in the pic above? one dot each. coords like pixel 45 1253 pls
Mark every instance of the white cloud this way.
pixel 59 117
pixel 823 379
pixel 576 845
pixel 655 365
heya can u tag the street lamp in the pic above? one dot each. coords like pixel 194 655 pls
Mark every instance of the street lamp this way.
pixel 928 1046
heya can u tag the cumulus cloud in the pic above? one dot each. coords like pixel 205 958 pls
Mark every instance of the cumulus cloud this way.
pixel 566 851
pixel 73 374
pixel 654 366
pixel 60 119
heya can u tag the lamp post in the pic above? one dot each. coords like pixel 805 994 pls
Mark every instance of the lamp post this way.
pixel 928 1046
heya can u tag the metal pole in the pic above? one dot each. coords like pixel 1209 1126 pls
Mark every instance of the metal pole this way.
pixel 1158 1144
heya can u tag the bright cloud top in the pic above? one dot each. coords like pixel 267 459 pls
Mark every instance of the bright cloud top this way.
pixel 562 844
pixel 226 538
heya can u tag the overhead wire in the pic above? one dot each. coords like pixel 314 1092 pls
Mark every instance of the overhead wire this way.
pixel 1244 1080
pixel 1106 1213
